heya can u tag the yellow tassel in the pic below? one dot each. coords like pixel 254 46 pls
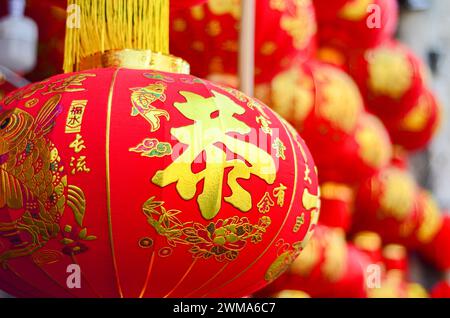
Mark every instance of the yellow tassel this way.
pixel 114 25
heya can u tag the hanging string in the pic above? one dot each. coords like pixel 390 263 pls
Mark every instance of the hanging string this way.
pixel 105 25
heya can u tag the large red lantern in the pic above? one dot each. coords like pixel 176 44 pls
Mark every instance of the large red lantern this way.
pixel 156 184
pixel 207 36
pixel 391 79
pixel 416 129
pixel 355 24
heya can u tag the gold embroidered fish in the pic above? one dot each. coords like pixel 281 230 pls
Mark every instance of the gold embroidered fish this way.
pixel 142 99
pixel 32 181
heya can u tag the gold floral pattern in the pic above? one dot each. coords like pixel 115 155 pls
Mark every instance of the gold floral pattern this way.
pixel 223 239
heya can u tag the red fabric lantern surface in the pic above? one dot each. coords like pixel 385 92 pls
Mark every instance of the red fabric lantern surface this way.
pixel 391 204
pixel 328 267
pixel 417 128
pixel 391 78
pixel 207 37
pixel 98 168
pixel 325 106
pixel 437 252
pixel 441 290
pixel 355 24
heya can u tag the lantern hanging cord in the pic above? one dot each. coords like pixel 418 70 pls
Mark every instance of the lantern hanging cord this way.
pixel 97 26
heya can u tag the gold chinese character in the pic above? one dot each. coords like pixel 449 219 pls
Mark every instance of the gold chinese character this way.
pixel 214 119
pixel 279 193
pixel 265 204
pixel 264 124
pixel 300 220
pixel 279 146
pixel 25 93
pixel 70 84
pixel 78 144
pixel 75 116
pixel 79 165
pixel 307 175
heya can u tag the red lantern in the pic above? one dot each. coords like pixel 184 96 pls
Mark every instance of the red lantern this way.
pixel 369 243
pixel 325 106
pixel 437 252
pixel 391 79
pixel 441 290
pixel 416 129
pixel 395 257
pixel 336 205
pixel 328 267
pixel 100 169
pixel 394 286
pixel 391 204
pixel 394 282
pixel 356 24
pixel 207 37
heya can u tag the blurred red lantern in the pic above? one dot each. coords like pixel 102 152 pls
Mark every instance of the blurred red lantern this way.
pixel 370 244
pixel 325 106
pixel 393 285
pixel 99 169
pixel 416 129
pixel 437 251
pixel 441 290
pixel 336 205
pixel 395 257
pixel 391 79
pixel 394 282
pixel 334 56
pixel 328 267
pixel 207 37
pixel 355 24
pixel 391 204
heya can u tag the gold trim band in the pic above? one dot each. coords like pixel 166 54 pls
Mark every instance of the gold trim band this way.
pixel 135 59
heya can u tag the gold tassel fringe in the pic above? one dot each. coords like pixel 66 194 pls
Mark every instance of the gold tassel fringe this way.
pixel 106 25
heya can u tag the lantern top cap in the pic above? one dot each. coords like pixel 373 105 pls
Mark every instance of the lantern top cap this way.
pixel 135 59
